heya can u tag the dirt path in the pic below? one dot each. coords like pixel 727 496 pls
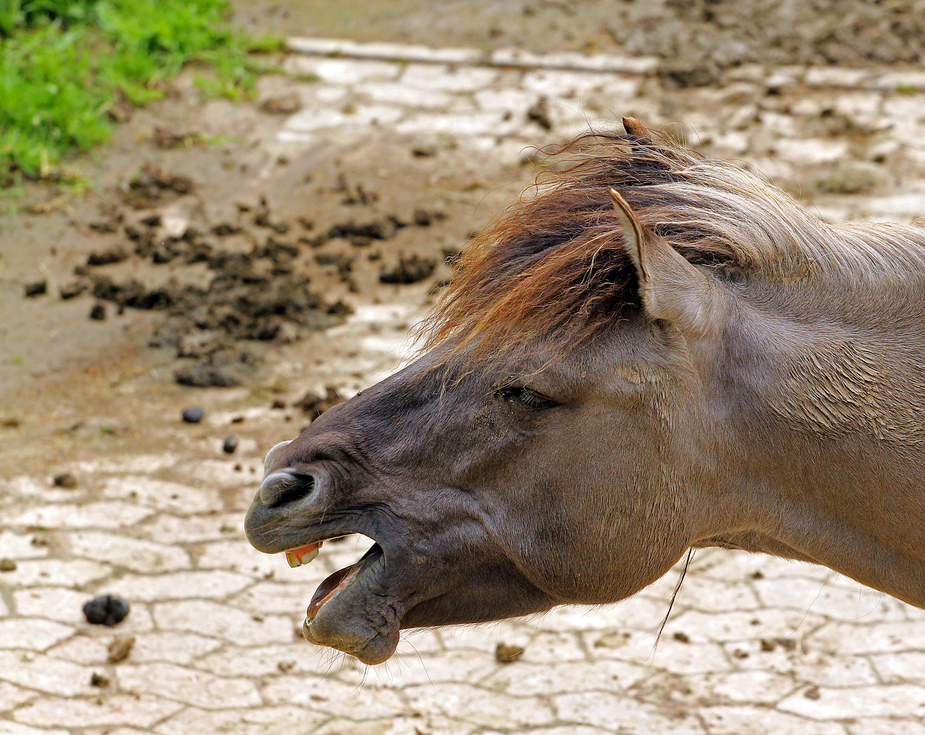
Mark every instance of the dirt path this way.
pixel 712 34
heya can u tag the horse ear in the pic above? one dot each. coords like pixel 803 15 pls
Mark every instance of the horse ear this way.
pixel 672 289
pixel 632 126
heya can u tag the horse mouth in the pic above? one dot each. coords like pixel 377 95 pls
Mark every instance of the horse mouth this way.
pixel 338 582
pixel 334 600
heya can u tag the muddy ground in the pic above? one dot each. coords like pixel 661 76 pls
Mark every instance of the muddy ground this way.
pixel 710 34
pixel 193 264
pixel 203 250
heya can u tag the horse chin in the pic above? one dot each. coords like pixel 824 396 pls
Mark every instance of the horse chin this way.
pixel 339 615
pixel 483 598
pixel 351 636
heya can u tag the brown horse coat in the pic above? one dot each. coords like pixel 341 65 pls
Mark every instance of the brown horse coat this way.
pixel 653 352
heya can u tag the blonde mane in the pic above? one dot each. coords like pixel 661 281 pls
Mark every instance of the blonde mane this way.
pixel 554 267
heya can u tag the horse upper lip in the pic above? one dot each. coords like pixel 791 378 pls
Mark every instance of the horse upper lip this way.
pixel 268 531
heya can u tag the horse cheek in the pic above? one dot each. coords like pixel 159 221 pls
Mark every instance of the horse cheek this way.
pixel 607 519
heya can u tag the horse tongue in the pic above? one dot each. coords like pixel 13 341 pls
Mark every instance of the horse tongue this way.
pixel 304 554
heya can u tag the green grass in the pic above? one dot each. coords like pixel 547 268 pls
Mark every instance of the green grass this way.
pixel 64 65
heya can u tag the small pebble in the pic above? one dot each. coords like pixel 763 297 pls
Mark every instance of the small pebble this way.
pixel 98 680
pixel 120 648
pixel 106 610
pixel 66 480
pixel 193 415
pixel 505 654
pixel 813 692
pixel 231 443
pixel 7 565
pixel 98 312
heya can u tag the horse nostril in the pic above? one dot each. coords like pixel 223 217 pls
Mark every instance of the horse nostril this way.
pixel 271 455
pixel 284 487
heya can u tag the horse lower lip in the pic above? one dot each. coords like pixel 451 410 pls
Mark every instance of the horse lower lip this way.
pixel 337 582
pixel 330 587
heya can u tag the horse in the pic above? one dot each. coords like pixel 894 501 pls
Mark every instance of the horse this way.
pixel 650 352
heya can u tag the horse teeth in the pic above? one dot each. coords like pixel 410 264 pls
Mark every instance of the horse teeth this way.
pixel 296 561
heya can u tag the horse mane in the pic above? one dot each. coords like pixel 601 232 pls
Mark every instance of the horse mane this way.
pixel 554 267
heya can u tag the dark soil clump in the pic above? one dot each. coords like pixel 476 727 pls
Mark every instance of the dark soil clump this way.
pixel 410 269
pixel 154 186
pixel 539 114
pixel 71 290
pixel 315 405
pixel 39 288
pixel 226 369
pixel 106 257
pixel 260 295
pixel 362 234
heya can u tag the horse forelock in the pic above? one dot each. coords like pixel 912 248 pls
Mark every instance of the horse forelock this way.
pixel 553 269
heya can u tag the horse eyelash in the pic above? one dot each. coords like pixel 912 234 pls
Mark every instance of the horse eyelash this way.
pixel 526 396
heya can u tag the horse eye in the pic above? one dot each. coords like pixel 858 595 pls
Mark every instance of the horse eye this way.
pixel 526 396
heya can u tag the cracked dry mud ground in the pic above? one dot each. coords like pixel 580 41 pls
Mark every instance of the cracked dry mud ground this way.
pixel 280 243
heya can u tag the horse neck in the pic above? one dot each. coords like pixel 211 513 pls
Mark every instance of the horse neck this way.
pixel 830 444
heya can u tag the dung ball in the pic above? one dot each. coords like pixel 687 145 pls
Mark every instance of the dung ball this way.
pixel 106 610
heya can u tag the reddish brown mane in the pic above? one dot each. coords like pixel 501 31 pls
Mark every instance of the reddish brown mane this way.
pixel 554 269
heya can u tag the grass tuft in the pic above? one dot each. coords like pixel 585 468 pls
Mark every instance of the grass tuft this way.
pixel 65 65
